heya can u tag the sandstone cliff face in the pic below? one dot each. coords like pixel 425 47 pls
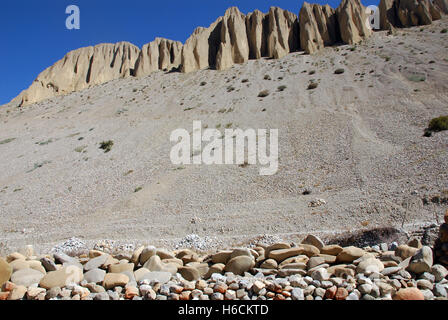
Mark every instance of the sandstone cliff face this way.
pixel 282 33
pixel 442 5
pixel 255 34
pixel 236 38
pixel 352 20
pixel 161 54
pixel 408 13
pixel 318 27
pixel 82 68
pixel 388 14
pixel 234 45
pixel 231 39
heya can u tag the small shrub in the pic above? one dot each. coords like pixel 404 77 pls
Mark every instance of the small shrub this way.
pixel 263 94
pixel 339 71
pixel 281 88
pixel 444 31
pixel 230 89
pixel 203 83
pixel 267 77
pixel 417 78
pixel 80 149
pixel 438 124
pixel 245 80
pixel 106 146
pixel 312 72
pixel 7 140
pixel 312 86
pixel 138 189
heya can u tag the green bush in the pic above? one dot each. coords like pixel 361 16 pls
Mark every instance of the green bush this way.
pixel 438 124
pixel 444 31
pixel 106 146
pixel 281 88
pixel 312 86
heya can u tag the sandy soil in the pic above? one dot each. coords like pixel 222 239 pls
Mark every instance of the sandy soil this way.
pixel 355 141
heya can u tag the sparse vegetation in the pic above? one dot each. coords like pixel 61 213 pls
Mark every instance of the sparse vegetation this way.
pixel 312 86
pixel 39 165
pixel 281 88
pixel 417 77
pixel 230 89
pixel 44 143
pixel 263 94
pixel 7 141
pixel 80 149
pixel 438 124
pixel 106 146
pixel 138 189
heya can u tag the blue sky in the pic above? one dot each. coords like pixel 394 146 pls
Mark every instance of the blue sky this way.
pixel 33 35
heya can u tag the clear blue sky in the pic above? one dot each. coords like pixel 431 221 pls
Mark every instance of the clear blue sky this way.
pixel 33 35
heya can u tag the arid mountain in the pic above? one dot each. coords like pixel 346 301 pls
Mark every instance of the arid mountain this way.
pixel 232 39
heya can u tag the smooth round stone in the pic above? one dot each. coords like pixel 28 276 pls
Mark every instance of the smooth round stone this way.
pixel 422 261
pixel 352 296
pixel 314 240
pixel 239 265
pixel 5 272
pixel 350 254
pixel 95 276
pixel 441 290
pixel 26 277
pixel 390 270
pixel 320 274
pixel 121 267
pixel 423 284
pixel 189 273
pixel 439 272
pixel 112 280
pixel 147 253
pixel 409 294
pixel 95 263
pixel 62 277
pixel 161 277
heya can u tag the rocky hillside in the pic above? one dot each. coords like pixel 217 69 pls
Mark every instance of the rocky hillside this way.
pixel 232 39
